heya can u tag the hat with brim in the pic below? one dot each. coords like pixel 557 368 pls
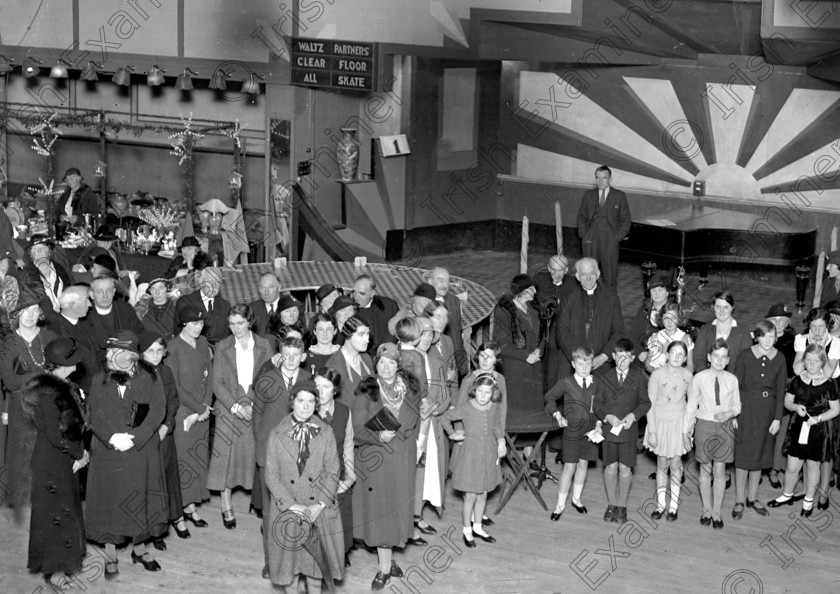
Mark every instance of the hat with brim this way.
pixel 147 339
pixel 388 350
pixel 287 302
pixel 777 310
pixel 325 291
pixel 105 261
pixel 661 279
pixel 833 307
pixel 105 233
pixel 160 279
pixel 342 302
pixel 39 240
pixel 189 314
pixel 125 340
pixel 425 290
pixel 72 171
pixel 62 352
pixel 189 241
pixel 29 297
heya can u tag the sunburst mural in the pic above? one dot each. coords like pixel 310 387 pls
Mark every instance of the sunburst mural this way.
pixel 745 139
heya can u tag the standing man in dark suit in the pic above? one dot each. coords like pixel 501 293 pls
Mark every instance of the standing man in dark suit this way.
pixel 376 310
pixel 267 303
pixel 603 220
pixel 207 299
pixel 590 316
pixel 439 279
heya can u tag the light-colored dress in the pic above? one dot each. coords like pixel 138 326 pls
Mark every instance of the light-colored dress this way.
pixel 657 346
pixel 476 469
pixel 667 390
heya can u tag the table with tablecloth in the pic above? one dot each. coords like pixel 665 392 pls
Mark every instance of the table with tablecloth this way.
pixel 241 285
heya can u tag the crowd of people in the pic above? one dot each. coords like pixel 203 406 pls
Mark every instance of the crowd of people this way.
pixel 345 424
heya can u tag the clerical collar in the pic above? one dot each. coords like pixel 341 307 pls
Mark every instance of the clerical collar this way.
pixel 590 292
pixel 73 321
pixel 104 312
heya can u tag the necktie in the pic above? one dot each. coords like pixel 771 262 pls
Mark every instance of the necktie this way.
pixel 290 383
pixel 327 417
pixel 209 306
pixel 603 198
pixel 271 309
pixel 717 392
pixel 620 378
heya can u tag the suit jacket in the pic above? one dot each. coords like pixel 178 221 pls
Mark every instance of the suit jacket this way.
pixel 606 327
pixel 260 312
pixel 90 365
pixel 84 202
pixel 271 405
pixel 32 280
pixel 615 209
pixel 630 396
pixel 455 331
pixel 575 404
pixel 381 310
pixel 216 324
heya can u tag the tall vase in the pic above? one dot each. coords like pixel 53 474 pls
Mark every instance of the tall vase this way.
pixel 347 152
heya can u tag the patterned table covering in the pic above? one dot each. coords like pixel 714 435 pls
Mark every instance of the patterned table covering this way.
pixel 397 282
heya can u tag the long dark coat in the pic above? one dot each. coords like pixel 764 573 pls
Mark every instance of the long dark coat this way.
pixel 56 528
pixel 126 491
pixel 383 496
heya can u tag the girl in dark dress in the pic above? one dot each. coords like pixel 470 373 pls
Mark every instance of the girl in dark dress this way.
pixel 779 316
pixel 323 329
pixel 762 379
pixel 56 528
pixel 812 398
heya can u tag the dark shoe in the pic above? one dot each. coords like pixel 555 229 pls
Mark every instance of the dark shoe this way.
pixel 229 519
pixel 395 570
pixel 152 565
pixel 421 462
pixel 757 507
pixel 181 533
pixel 738 511
pixel 555 515
pixel 417 542
pixel 652 476
pixel 486 538
pixel 705 520
pixel 379 581
pixel 609 515
pixel 257 511
pixel 470 543
pixel 581 509
pixel 347 560
pixel 559 457
pixel 197 522
pixel 728 481
pixel 266 574
pixel 807 511
pixel 823 504
pixel 159 544
pixel 657 514
pixel 112 570
pixel 773 477
pixel 781 500
pixel 418 523
pixel 620 515
pixel 671 516
pixel 798 497
pixel 485 521
pixel 717 524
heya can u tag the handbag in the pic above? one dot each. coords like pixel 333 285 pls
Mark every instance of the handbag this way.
pixel 384 420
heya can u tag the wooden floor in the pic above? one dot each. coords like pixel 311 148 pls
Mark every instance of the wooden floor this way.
pixel 580 553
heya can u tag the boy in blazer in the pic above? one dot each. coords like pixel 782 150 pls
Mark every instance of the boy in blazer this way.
pixel 621 402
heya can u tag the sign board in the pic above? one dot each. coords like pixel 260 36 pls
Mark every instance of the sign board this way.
pixel 334 64
pixel 394 146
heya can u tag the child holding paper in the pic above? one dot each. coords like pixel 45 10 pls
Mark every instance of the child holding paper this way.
pixel 574 395
pixel 621 402
pixel 812 397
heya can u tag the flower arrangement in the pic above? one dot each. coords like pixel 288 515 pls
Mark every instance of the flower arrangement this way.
pixel 49 135
pixel 160 217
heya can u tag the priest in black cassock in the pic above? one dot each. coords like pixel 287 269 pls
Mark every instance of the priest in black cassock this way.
pixel 75 304
pixel 108 316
